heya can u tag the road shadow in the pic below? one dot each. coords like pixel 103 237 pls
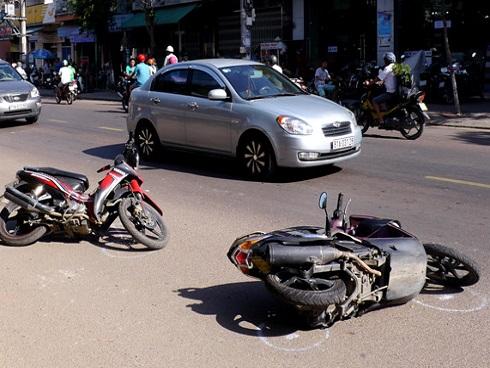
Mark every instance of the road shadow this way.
pixel 479 137
pixel 17 123
pixel 115 239
pixel 372 135
pixel 245 308
pixel 210 165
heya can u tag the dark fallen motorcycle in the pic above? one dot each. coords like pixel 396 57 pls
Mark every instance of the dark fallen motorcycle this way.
pixel 46 200
pixel 351 266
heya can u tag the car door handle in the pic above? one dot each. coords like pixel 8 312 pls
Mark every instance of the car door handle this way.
pixel 155 100
pixel 193 106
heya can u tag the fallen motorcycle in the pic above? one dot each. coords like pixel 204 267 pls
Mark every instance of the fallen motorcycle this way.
pixel 351 266
pixel 46 200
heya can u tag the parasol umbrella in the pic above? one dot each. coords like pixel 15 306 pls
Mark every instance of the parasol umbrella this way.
pixel 42 54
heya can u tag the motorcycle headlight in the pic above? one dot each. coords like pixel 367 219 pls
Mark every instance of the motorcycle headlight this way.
pixel 35 93
pixel 294 125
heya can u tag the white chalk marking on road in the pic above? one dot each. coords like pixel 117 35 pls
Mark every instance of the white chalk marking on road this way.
pixel 446 297
pixel 290 337
pixel 127 254
pixel 457 181
pixel 58 121
pixel 113 129
pixel 483 304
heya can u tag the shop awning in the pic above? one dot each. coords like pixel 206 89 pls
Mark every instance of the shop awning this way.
pixel 171 15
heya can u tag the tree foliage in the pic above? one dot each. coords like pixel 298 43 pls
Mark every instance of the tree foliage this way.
pixel 94 14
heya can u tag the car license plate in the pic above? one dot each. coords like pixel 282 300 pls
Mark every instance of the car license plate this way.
pixel 423 106
pixel 441 84
pixel 423 83
pixel 343 143
pixel 17 106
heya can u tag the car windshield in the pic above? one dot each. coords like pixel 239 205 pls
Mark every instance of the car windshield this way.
pixel 7 73
pixel 254 82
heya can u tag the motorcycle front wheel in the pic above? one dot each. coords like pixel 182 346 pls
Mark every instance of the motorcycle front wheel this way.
pixel 312 293
pixel 413 126
pixel 69 98
pixel 144 223
pixel 447 266
pixel 15 229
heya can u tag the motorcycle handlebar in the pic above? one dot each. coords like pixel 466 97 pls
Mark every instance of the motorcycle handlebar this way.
pixel 105 168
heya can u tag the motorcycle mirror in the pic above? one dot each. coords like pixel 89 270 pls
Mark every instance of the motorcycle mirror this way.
pixel 473 55
pixel 322 203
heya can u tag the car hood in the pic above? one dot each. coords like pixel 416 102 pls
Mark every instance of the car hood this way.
pixel 310 108
pixel 9 87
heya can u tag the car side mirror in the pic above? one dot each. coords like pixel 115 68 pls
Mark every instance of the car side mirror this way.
pixel 217 95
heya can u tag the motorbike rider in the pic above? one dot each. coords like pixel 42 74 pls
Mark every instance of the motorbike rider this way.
pixel 141 72
pixel 386 78
pixel 130 67
pixel 66 75
pixel 322 77
pixel 170 58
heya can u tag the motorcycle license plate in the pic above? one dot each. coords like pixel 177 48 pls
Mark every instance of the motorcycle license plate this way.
pixel 342 143
pixel 423 106
pixel 423 83
pixel 441 84
pixel 17 106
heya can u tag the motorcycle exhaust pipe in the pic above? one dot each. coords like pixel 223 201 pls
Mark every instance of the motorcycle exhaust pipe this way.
pixel 27 202
pixel 278 254
pixel 281 255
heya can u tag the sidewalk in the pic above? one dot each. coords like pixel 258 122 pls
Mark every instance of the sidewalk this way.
pixel 476 113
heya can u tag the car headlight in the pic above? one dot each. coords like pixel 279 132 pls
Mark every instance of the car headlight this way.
pixel 294 125
pixel 34 93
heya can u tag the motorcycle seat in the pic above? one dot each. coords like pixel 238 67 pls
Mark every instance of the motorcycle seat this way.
pixel 79 182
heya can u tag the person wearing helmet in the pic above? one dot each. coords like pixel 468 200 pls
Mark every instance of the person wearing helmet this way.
pixel 141 71
pixel 386 78
pixel 170 58
pixel 275 65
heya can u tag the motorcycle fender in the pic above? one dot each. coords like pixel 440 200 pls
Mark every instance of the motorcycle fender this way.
pixel 135 188
pixel 407 265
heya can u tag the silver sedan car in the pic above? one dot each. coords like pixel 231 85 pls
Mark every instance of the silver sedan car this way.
pixel 241 109
pixel 19 99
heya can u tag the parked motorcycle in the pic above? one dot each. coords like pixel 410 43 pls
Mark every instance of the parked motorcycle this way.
pixel 123 89
pixel 351 266
pixel 46 200
pixel 407 114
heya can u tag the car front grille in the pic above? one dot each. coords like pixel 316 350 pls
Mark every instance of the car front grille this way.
pixel 17 112
pixel 16 97
pixel 337 128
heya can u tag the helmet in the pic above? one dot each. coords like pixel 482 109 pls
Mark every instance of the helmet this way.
pixel 65 62
pixel 141 58
pixel 389 56
pixel 274 59
pixel 169 49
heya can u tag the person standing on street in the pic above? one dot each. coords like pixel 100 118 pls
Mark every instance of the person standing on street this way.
pixel 21 70
pixel 152 64
pixel 170 58
pixel 275 64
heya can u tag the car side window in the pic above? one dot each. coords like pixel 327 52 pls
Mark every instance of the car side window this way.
pixel 202 83
pixel 174 81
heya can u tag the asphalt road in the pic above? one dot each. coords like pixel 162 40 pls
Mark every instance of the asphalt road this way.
pixel 82 304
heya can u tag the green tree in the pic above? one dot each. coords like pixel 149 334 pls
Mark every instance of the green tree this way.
pixel 149 9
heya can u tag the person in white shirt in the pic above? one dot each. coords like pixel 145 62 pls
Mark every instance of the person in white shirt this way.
pixel 170 58
pixel 386 77
pixel 21 70
pixel 275 65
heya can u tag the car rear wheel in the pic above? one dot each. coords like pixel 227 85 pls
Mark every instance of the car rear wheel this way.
pixel 256 157
pixel 147 141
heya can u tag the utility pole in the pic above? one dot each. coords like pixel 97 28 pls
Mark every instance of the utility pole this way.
pixel 23 31
pixel 247 17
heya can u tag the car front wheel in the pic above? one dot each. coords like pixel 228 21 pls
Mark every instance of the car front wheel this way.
pixel 256 157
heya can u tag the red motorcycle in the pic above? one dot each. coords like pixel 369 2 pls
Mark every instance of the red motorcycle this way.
pixel 45 200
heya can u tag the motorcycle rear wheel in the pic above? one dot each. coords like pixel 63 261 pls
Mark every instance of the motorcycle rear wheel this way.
pixel 447 266
pixel 13 229
pixel 413 126
pixel 144 223
pixel 313 293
